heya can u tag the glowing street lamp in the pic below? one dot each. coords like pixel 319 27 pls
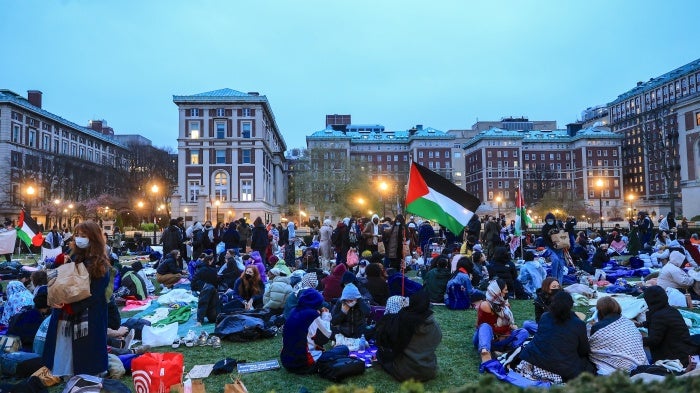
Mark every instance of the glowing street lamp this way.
pixel 498 203
pixel 217 203
pixel 154 192
pixel 600 183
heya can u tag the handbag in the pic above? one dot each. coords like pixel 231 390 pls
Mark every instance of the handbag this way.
pixel 157 372
pixel 69 283
pixel 380 248
pixel 10 343
pixel 236 386
pixel 351 258
pixel 46 377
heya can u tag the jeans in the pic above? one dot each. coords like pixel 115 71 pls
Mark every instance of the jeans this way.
pixel 341 351
pixel 484 338
pixel 558 268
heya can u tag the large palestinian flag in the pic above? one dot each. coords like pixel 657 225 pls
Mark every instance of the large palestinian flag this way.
pixel 433 197
pixel 28 231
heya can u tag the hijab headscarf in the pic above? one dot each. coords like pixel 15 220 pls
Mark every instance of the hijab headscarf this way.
pixel 499 305
pixel 18 297
pixel 411 317
pixel 395 303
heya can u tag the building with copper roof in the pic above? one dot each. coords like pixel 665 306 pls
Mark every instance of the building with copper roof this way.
pixel 231 160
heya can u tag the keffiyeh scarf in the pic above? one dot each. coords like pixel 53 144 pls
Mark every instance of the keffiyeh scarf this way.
pixel 499 305
pixel 395 303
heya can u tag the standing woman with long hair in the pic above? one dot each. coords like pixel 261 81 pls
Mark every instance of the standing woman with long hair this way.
pixel 76 341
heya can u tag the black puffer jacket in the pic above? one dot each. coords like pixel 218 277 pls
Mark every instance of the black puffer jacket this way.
pixel 504 268
pixel 668 337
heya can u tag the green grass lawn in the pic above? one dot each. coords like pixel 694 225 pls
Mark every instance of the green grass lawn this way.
pixel 458 361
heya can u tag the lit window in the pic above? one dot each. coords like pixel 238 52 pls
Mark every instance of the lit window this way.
pixel 194 130
pixel 193 187
pixel 194 157
pixel 246 190
pixel 221 186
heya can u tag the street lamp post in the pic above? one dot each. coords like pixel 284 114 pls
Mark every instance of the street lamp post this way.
pixel 498 203
pixel 217 203
pixel 383 187
pixel 30 195
pixel 631 208
pixel 599 183
pixel 154 191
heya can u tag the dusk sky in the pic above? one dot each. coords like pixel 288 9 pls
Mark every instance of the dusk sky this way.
pixel 398 63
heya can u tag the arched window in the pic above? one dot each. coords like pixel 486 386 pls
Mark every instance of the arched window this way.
pixel 221 185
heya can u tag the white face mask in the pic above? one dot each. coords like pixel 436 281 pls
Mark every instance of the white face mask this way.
pixel 82 242
pixel 550 222
pixel 351 303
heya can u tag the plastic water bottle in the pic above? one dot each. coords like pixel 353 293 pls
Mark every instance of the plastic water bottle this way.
pixel 362 345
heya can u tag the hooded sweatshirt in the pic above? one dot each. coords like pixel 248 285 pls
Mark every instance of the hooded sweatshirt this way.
pixel 671 275
pixel 305 333
pixel 354 322
pixel 669 337
pixel 333 284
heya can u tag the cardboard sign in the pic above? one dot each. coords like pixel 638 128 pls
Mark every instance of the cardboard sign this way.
pixel 200 371
pixel 254 367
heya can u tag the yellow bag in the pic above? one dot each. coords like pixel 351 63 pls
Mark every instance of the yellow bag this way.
pixel 236 387
pixel 46 377
pixel 69 283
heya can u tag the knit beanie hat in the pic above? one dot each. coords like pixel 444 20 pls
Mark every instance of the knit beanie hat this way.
pixel 348 278
pixel 309 280
pixel 395 303
pixel 366 254
pixel 350 292
pixel 676 258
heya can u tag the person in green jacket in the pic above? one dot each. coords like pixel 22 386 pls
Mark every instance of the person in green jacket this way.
pixel 435 281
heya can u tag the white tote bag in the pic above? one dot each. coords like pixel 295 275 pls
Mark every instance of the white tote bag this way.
pixel 159 336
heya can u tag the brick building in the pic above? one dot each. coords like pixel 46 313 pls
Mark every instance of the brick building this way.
pixel 568 163
pixel 230 158
pixel 650 116
pixel 61 161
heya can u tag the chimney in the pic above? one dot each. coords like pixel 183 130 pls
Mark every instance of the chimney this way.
pixel 640 83
pixel 419 127
pixel 34 97
pixel 573 128
pixel 253 93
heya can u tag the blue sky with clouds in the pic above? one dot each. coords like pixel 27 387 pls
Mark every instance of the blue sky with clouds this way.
pixel 397 63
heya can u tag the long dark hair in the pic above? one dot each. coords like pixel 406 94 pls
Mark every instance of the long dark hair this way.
pixel 95 255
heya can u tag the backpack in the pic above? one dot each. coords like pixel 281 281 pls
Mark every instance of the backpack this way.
pixel 457 297
pixel 335 237
pixel 339 369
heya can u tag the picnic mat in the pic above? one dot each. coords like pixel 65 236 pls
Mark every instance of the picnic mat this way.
pixel 183 328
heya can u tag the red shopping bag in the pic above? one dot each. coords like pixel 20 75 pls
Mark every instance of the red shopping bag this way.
pixel 157 372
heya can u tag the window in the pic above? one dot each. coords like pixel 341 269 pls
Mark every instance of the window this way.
pixel 437 154
pixel 220 127
pixel 246 112
pixel 420 154
pixel 194 157
pixel 527 156
pixel 64 150
pixel 246 190
pixel 388 158
pixel 32 138
pixel 488 154
pixel 221 186
pixel 697 119
pixel 194 112
pixel 542 157
pixel 447 154
pixel 16 132
pixel 458 174
pixel 73 150
pixel 246 155
pixel 220 112
pixel 221 156
pixel 194 130
pixel 193 188
pixel 246 128
pixel 505 154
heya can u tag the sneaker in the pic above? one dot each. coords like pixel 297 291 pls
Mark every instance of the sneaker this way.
pixel 177 342
pixel 190 339
pixel 214 341
pixel 141 349
pixel 202 340
pixel 129 338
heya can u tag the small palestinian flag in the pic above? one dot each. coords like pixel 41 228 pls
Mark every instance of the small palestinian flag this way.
pixel 433 197
pixel 522 220
pixel 28 231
